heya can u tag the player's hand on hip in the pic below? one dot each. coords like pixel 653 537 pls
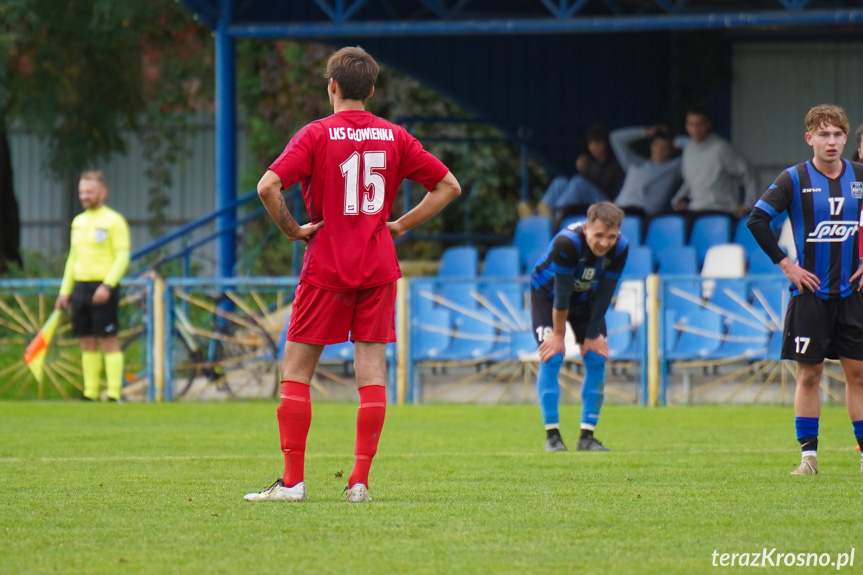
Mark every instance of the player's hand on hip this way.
pixel 857 275
pixel 62 302
pixel 307 231
pixel 101 295
pixel 598 345
pixel 396 230
pixel 551 346
pixel 803 279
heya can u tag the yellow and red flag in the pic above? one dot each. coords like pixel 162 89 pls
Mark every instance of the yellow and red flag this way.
pixel 34 355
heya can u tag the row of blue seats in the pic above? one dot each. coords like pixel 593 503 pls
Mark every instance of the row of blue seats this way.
pixel 740 318
pixel 667 232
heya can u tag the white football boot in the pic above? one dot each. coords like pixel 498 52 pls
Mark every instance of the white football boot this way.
pixel 278 492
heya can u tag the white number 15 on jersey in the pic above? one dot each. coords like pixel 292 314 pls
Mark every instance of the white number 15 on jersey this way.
pixel 373 182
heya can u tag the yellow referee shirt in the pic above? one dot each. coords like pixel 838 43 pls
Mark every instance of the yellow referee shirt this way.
pixel 100 249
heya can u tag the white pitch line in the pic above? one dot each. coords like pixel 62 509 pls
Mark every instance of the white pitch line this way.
pixel 396 455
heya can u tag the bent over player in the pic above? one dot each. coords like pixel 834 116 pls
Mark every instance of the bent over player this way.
pixel 574 281
pixel 824 317
pixel 350 165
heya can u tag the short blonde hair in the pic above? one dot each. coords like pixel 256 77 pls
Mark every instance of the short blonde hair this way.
pixel 827 113
pixel 95 175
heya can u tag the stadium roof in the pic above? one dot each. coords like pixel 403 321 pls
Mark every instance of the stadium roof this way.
pixel 540 70
pixel 362 18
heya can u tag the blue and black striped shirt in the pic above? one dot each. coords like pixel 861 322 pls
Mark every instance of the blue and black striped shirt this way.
pixel 825 218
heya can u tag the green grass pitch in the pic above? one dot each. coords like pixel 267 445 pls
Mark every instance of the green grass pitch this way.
pixel 138 488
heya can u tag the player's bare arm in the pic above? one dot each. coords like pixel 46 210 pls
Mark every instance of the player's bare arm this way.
pixel 799 276
pixel 443 193
pixel 857 275
pixel 270 192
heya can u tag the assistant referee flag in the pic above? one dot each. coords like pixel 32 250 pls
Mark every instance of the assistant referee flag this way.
pixel 34 355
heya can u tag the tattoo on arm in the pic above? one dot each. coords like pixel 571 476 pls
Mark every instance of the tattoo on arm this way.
pixel 286 221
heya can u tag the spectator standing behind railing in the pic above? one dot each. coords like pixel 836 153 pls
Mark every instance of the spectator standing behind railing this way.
pixel 824 319
pixel 98 258
pixel 649 182
pixel 713 172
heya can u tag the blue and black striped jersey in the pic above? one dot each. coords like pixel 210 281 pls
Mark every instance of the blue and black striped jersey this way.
pixel 825 219
pixel 568 253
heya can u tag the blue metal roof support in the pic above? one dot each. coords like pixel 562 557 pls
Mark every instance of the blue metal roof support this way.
pixel 603 24
pixel 226 139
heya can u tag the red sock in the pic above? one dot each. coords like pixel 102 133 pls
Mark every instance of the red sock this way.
pixel 295 417
pixel 370 422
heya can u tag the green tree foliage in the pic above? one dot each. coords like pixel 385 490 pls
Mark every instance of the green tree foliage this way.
pixel 281 88
pixel 84 74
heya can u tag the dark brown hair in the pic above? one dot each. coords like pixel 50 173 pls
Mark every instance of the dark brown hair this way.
pixel 607 213
pixel 355 71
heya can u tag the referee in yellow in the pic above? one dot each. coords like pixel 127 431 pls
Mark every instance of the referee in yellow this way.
pixel 98 258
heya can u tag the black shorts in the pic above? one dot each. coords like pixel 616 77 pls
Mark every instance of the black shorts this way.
pixel 541 315
pixel 93 320
pixel 817 329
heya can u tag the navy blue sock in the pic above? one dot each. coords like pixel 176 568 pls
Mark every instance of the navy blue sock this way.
pixel 548 389
pixel 807 433
pixel 858 432
pixel 592 390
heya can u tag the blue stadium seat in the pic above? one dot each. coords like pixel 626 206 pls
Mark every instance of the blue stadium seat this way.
pixel 431 334
pixel 668 231
pixel 745 339
pixel 501 262
pixel 635 351
pixel 532 235
pixel 727 294
pixel 761 264
pixel 708 231
pixel 639 263
pixel 533 258
pixel 458 293
pixel 700 336
pixel 337 352
pixel 505 296
pixel 522 343
pixel 683 296
pixel 618 328
pixel 571 220
pixel 422 292
pixel 679 260
pixel 631 229
pixel 458 262
pixel 473 338
pixel 744 237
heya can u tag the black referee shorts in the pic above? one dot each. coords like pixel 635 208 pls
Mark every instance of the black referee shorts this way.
pixel 541 310
pixel 817 329
pixel 93 320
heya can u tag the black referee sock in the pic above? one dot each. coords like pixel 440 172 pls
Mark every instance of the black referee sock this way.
pixel 808 443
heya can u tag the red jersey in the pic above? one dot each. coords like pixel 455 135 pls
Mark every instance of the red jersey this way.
pixel 351 165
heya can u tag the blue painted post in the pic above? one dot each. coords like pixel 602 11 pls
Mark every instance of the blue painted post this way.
pixel 226 146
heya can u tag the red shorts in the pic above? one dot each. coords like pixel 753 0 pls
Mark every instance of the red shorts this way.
pixel 323 317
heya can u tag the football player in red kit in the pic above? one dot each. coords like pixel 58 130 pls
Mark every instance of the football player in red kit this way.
pixel 350 165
